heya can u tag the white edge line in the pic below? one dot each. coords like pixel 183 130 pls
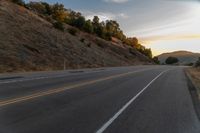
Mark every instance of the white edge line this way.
pixel 110 121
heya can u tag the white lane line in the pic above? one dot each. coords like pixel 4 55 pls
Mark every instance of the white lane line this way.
pixel 110 121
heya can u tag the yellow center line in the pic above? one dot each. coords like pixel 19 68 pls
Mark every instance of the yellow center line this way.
pixel 58 90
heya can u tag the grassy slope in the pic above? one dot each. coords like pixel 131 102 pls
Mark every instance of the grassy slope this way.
pixel 30 43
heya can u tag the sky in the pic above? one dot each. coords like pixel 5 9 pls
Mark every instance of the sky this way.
pixel 162 25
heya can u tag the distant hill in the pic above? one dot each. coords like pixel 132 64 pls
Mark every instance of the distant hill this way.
pixel 28 42
pixel 185 57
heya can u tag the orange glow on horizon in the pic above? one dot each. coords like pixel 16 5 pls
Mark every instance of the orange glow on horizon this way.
pixel 149 40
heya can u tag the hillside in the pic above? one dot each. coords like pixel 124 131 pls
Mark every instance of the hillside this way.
pixel 184 57
pixel 30 43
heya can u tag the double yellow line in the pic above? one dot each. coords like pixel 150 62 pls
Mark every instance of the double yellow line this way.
pixel 58 90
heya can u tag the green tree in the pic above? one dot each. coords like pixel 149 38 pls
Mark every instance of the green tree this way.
pixel 156 60
pixel 88 27
pixel 113 29
pixel 98 27
pixel 58 12
pixel 79 22
pixel 99 31
pixel 48 8
pixel 171 60
pixel 95 21
pixel 133 42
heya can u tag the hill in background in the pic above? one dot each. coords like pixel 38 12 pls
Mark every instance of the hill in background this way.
pixel 185 57
pixel 28 42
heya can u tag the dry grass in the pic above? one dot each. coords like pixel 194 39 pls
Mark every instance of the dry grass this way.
pixel 195 75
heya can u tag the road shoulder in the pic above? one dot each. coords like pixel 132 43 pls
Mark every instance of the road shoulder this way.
pixel 193 80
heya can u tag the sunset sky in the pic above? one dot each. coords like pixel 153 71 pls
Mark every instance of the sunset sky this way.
pixel 162 25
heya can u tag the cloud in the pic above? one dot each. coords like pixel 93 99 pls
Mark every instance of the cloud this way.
pixel 103 16
pixel 185 0
pixel 116 1
pixel 122 15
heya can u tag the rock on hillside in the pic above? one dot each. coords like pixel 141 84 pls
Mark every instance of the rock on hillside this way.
pixel 30 43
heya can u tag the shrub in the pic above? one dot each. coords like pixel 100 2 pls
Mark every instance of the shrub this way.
pixel 58 25
pixel 197 64
pixel 72 31
pixel 82 40
pixel 132 51
pixel 189 64
pixel 156 60
pixel 89 45
pixel 19 2
pixel 171 60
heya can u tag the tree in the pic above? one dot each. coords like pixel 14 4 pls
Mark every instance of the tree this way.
pixel 79 22
pixel 48 8
pixel 146 51
pixel 113 29
pixel 156 60
pixel 171 60
pixel 58 12
pixel 95 21
pixel 99 29
pixel 133 42
pixel 88 27
pixel 96 25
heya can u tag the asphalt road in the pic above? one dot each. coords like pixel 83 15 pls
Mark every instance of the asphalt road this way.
pixel 141 99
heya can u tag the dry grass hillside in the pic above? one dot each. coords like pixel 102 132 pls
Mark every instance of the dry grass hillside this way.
pixel 30 43
pixel 185 57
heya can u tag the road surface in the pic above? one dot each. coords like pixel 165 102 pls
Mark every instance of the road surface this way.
pixel 140 99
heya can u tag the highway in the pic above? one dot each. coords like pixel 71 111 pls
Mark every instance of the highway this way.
pixel 135 99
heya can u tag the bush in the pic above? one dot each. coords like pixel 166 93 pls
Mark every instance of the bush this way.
pixel 19 2
pixel 189 64
pixel 82 40
pixel 89 45
pixel 171 60
pixel 58 25
pixel 72 31
pixel 156 60
pixel 197 64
